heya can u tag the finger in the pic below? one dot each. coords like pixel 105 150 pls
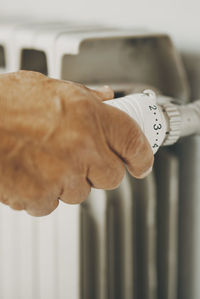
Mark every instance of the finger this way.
pixel 4 200
pixel 75 189
pixel 106 171
pixel 125 138
pixel 39 209
pixel 16 205
pixel 104 93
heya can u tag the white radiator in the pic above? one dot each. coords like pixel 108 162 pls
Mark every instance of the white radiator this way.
pixel 121 244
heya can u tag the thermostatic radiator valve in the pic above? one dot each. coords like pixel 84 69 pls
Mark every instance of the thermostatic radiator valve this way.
pixel 162 122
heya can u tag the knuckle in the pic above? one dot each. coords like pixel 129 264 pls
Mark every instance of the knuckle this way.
pixel 29 74
pixel 4 200
pixel 75 190
pixel 85 105
pixel 73 200
pixel 107 174
pixel 17 206
pixel 42 209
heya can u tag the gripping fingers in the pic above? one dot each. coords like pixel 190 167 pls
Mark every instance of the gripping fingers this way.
pixel 42 209
pixel 75 189
pixel 106 171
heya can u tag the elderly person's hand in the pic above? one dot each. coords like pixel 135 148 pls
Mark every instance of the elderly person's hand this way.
pixel 57 140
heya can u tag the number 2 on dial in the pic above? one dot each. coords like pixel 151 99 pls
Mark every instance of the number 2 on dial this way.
pixel 153 107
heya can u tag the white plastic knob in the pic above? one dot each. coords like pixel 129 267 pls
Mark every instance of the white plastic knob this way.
pixel 143 108
pixel 162 122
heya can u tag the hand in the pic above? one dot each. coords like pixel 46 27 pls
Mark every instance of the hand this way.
pixel 57 140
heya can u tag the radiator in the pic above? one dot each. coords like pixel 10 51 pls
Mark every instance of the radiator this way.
pixel 135 242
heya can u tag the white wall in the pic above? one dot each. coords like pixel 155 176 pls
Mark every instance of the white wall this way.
pixel 180 18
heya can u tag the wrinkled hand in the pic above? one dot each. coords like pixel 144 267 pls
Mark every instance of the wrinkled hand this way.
pixel 57 140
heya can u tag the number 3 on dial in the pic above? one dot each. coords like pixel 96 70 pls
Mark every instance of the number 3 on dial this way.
pixel 157 127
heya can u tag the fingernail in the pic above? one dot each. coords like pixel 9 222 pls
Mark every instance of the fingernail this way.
pixel 146 173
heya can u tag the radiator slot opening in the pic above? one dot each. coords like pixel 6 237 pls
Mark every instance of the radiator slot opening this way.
pixel 147 60
pixel 2 57
pixel 34 60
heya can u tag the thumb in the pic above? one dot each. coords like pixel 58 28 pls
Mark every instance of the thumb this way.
pixel 104 93
pixel 126 139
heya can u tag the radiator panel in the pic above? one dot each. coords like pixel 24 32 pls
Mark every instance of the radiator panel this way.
pixel 40 256
pixel 111 246
pixel 189 233
pixel 167 179
pixel 145 240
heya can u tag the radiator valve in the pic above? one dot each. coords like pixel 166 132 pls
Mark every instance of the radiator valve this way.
pixel 162 121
